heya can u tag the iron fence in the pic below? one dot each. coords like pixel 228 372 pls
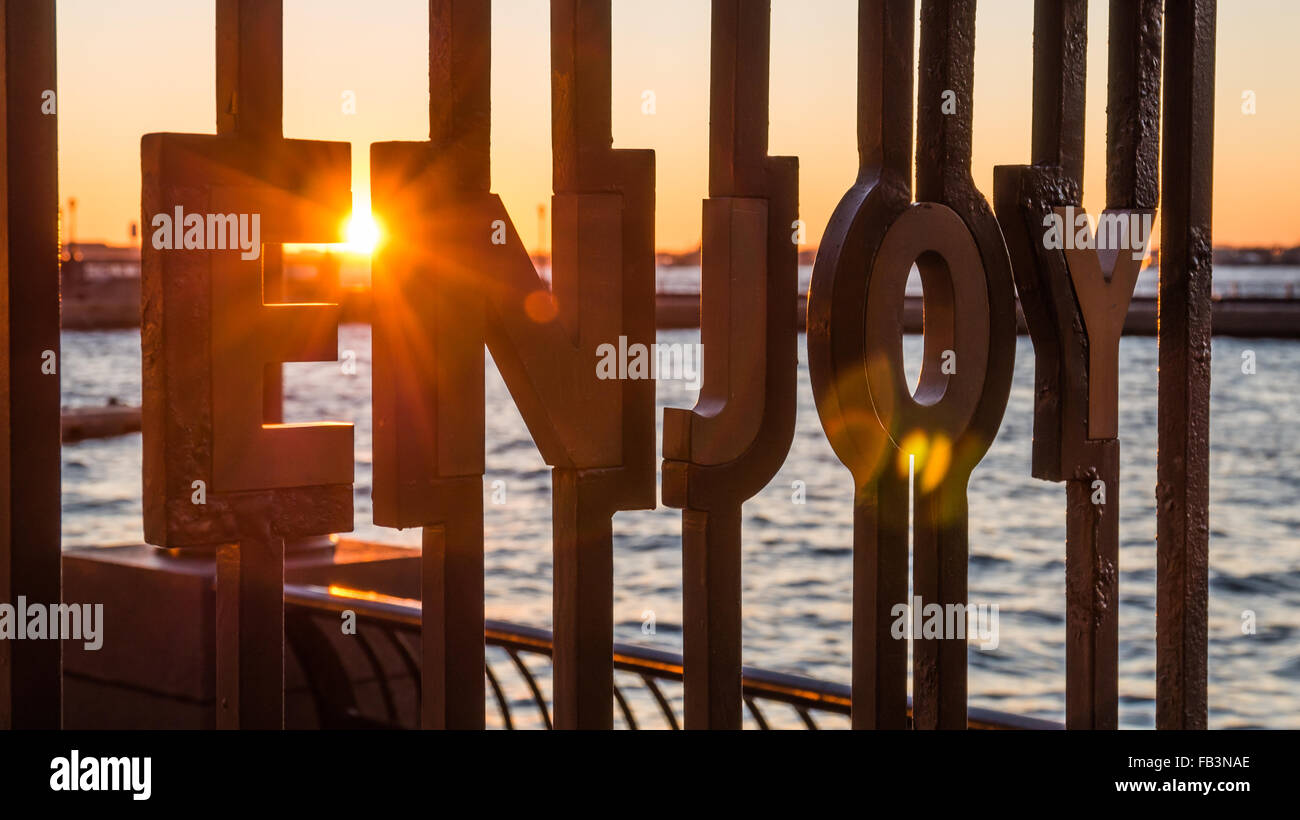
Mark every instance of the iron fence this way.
pixel 383 657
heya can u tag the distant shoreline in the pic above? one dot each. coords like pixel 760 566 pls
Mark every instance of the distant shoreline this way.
pixel 1243 318
pixel 101 290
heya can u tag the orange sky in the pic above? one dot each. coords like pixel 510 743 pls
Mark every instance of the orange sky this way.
pixel 132 67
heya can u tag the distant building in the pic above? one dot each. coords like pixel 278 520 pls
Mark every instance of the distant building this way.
pixel 100 286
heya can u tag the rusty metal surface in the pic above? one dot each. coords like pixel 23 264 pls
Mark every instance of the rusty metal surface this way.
pixel 1060 76
pixel 209 336
pixel 731 444
pixel 1182 469
pixel 191 430
pixel 1024 195
pixel 1133 104
pixel 30 671
pixel 1075 302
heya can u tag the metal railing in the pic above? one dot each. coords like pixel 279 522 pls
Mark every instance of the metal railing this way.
pixel 647 685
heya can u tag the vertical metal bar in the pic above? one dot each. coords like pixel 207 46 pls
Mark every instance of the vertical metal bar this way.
pixel 250 81
pixel 582 531
pixel 274 292
pixel 460 81
pixel 884 79
pixel 250 634
pixel 429 357
pixel 428 344
pixel 460 124
pixel 943 138
pixel 879 584
pixel 250 68
pixel 885 105
pixel 837 356
pixel 583 602
pixel 1133 104
pixel 1060 77
pixel 940 552
pixel 738 96
pixel 581 121
pixel 250 574
pixel 1092 592
pixel 30 671
pixel 711 621
pixel 730 445
pixel 1186 262
pixel 1093 488
pixel 940 548
pixel 619 475
pixel 227 639
pixel 1067 389
pixel 451 596
pixel 438 307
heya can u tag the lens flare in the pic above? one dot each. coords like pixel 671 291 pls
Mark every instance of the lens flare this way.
pixel 363 233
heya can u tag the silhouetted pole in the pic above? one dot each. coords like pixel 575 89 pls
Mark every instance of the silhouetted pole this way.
pixel 250 573
pixel 31 682
pixel 428 331
pixel 1182 469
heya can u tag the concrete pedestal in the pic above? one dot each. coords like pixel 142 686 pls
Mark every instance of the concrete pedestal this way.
pixel 156 668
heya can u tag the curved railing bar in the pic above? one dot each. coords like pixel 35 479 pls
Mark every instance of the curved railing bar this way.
pixel 622 705
pixel 527 675
pixel 756 712
pixel 806 718
pixel 500 695
pixel 323 670
pixel 385 691
pixel 664 705
pixel 412 666
pixel 809 694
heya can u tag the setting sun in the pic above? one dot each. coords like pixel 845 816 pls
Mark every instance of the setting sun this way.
pixel 362 232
